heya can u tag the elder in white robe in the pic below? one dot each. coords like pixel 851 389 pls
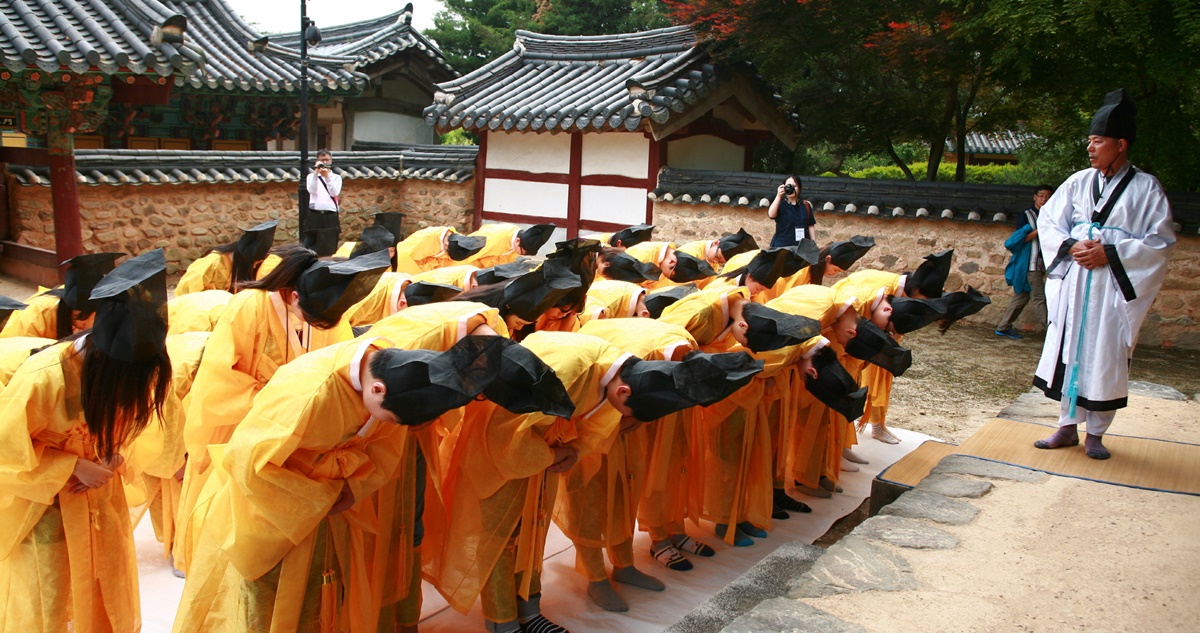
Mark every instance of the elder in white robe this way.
pixel 1107 304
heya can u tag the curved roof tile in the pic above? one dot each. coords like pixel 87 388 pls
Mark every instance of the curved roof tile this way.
pixel 452 163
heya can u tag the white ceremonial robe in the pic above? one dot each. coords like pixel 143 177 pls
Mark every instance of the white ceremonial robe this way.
pixel 1138 236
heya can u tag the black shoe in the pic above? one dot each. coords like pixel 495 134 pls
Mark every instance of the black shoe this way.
pixel 539 624
pixel 779 514
pixel 785 502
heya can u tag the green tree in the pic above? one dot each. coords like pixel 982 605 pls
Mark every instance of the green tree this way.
pixel 474 32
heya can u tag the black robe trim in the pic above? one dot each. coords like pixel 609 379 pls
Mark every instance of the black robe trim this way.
pixel 1118 271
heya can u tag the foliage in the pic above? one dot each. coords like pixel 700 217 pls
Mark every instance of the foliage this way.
pixel 473 32
pixel 459 136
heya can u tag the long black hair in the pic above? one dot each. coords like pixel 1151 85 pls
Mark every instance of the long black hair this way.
pixel 118 397
pixel 294 259
pixel 64 315
pixel 816 272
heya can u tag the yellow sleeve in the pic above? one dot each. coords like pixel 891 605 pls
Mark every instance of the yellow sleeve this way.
pixel 196 312
pixel 40 319
pixel 267 266
pixel 15 351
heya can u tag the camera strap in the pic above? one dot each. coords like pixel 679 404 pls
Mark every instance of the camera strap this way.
pixel 337 207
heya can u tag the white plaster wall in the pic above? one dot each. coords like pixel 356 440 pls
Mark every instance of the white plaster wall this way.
pixel 543 199
pixel 705 152
pixel 619 205
pixel 537 153
pixel 391 127
pixel 616 153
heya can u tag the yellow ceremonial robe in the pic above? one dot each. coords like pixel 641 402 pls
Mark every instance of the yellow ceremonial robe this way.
pixel 461 276
pixel 600 495
pixel 39 319
pixel 267 266
pixel 271 557
pixel 15 351
pixel 501 247
pixel 66 559
pixel 196 312
pixel 214 271
pixel 496 485
pixel 864 285
pixel 652 253
pixel 154 458
pixel 423 250
pixel 249 343
pixel 382 301
pixel 611 299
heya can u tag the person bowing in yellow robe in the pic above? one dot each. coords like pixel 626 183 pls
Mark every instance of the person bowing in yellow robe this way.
pixel 296 309
pixel 59 312
pixel 506 242
pixel 717 252
pixel 67 561
pixel 291 541
pixel 197 312
pixel 227 266
pixel 434 247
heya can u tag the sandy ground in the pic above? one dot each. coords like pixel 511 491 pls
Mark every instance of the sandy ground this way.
pixel 1063 555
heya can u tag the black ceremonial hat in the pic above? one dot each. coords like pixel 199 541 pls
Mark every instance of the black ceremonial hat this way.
pixel 658 301
pixel 460 247
pixel 767 266
pixel 659 388
pixel 531 294
pixel 878 348
pixel 1117 118
pixel 131 309
pixel 533 238
pixel 623 267
pixel 804 254
pixel 959 305
pixel 83 275
pixel 374 238
pixel 393 222
pixel 688 268
pixel 844 254
pixel 736 243
pixel 503 272
pixel 834 386
pixel 523 383
pixel 930 277
pixel 910 315
pixel 771 329
pixel 328 288
pixel 629 236
pixel 256 241
pixel 7 306
pixel 323 242
pixel 424 384
pixel 419 293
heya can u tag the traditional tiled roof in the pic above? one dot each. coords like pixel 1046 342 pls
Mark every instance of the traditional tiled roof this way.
pixel 114 36
pixel 884 198
pixel 1004 143
pixel 158 167
pixel 600 82
pixel 373 40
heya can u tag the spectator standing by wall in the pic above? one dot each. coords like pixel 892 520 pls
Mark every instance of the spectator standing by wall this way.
pixel 793 217
pixel 324 189
pixel 1026 271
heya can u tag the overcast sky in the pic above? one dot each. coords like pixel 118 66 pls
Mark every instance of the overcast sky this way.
pixel 281 16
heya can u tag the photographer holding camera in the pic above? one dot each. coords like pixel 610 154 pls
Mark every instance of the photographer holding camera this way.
pixel 793 217
pixel 324 186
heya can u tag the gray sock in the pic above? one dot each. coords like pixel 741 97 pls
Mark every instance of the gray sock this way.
pixel 632 576
pixel 603 594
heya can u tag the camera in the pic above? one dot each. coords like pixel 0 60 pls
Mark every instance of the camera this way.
pixel 789 189
pixel 323 166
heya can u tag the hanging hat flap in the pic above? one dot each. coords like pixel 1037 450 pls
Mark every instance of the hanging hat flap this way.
pixel 523 383
pixel 374 238
pixel 460 247
pixel 770 329
pixel 910 315
pixel 419 293
pixel 688 268
pixel 256 241
pixel 736 244
pixel 327 289
pixel 658 301
pixel 835 387
pixel 131 308
pixel 878 348
pixel 622 267
pixel 629 236
pixel 844 254
pixel 83 275
pixel 393 222
pixel 533 238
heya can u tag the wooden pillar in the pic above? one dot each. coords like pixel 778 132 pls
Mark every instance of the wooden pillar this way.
pixel 68 234
pixel 574 185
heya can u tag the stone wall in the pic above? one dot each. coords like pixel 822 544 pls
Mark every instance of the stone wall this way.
pixel 187 220
pixel 979 258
